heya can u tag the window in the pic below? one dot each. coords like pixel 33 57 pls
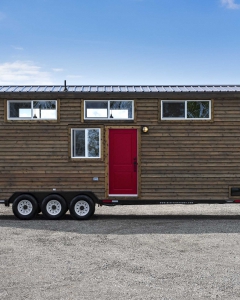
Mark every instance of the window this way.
pixel 85 143
pixel 108 109
pixel 186 110
pixel 32 110
pixel 235 191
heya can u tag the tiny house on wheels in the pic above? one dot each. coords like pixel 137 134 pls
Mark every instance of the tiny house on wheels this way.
pixel 72 147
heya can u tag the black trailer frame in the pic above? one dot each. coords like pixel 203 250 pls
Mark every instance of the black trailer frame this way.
pixel 81 204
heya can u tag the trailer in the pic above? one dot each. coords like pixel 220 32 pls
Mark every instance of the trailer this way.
pixel 74 147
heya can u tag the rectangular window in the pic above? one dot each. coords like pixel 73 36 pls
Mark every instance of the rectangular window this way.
pixel 186 110
pixel 32 110
pixel 235 191
pixel 85 143
pixel 109 109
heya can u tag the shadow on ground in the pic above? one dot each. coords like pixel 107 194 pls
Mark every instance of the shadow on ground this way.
pixel 131 224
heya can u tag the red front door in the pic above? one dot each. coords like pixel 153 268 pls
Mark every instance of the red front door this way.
pixel 123 162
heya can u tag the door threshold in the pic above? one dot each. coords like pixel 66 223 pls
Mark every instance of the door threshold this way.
pixel 123 195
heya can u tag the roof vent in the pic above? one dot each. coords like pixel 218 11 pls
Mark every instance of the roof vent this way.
pixel 65 86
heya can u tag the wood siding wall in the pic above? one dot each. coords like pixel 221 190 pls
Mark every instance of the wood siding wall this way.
pixel 180 160
pixel 192 160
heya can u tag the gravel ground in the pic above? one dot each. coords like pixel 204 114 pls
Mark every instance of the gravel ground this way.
pixel 132 252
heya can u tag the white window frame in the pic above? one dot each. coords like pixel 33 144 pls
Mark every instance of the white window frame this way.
pixel 185 117
pixel 30 118
pixel 108 110
pixel 86 143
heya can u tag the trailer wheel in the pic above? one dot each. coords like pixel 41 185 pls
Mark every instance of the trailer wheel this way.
pixel 82 207
pixel 54 207
pixel 25 207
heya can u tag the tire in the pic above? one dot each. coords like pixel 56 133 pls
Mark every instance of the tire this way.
pixel 53 207
pixel 25 207
pixel 82 207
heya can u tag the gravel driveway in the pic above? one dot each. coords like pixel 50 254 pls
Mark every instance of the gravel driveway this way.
pixel 129 252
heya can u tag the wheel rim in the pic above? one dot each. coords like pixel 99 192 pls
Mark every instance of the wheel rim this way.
pixel 25 207
pixel 82 208
pixel 53 207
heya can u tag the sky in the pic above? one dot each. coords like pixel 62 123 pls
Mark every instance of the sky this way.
pixel 119 42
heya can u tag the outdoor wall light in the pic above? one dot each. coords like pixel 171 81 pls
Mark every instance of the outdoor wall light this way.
pixel 144 129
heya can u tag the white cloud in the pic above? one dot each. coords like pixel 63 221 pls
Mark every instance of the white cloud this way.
pixel 230 4
pixel 17 48
pixel 23 73
pixel 57 69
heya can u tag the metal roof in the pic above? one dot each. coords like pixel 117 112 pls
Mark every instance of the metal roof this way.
pixel 120 88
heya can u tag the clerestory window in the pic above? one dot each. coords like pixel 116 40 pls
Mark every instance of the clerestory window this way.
pixel 109 110
pixel 32 110
pixel 186 109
